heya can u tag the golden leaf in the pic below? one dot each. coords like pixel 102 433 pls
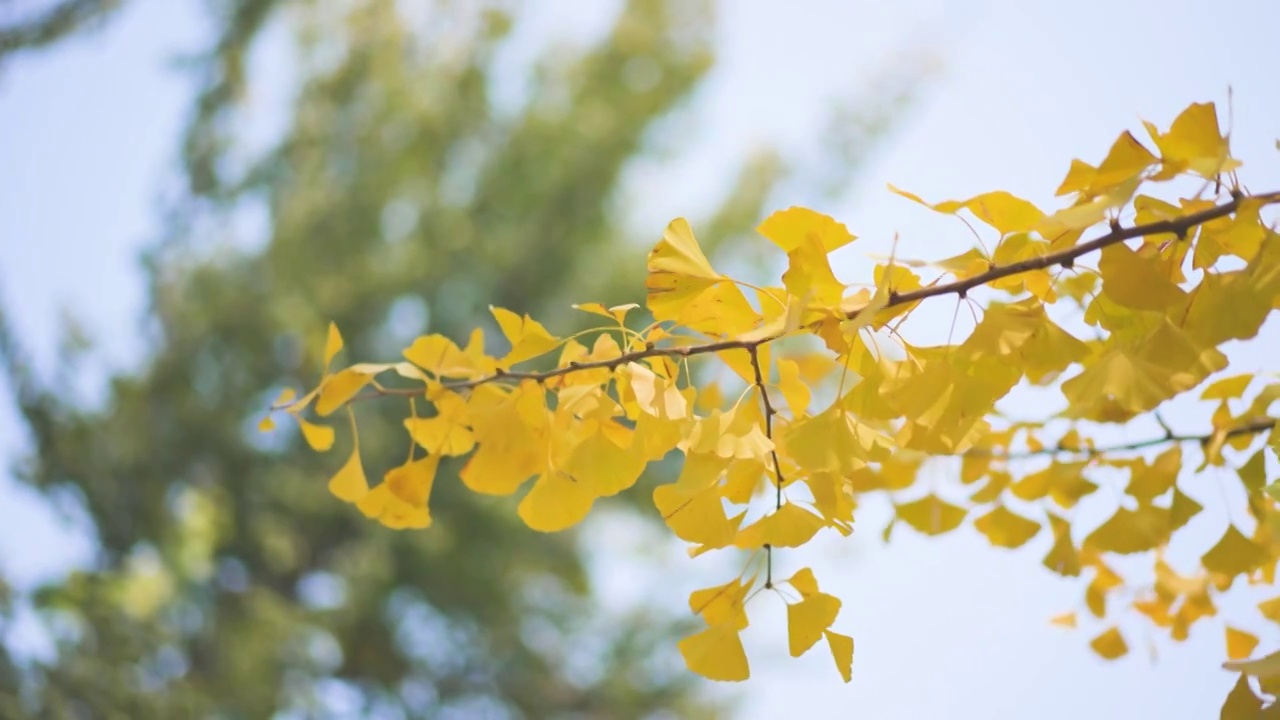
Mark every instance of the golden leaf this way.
pixel 555 502
pixel 400 502
pixel 678 271
pixel 1063 557
pixel 1131 531
pixel 349 484
pixel 842 651
pixel 999 209
pixel 1005 528
pixel 808 619
pixel 1147 482
pixel 804 582
pixel 332 344
pixel 439 355
pixel 1227 388
pixel 446 433
pixel 716 653
pixel 788 526
pixel 696 516
pixel 528 338
pixel 790 228
pixel 1110 644
pixel 1240 644
pixel 1234 554
pixel 340 387
pixel 931 515
pixel 1194 143
pixel 722 604
pixel 319 437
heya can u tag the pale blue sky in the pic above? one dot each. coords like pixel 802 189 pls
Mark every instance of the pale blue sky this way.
pixel 944 628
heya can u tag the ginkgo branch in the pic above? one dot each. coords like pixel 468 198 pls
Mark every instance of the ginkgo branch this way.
pixel 1178 226
pixel 1251 428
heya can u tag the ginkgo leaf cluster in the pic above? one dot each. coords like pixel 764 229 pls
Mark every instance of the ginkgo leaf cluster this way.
pixel 790 402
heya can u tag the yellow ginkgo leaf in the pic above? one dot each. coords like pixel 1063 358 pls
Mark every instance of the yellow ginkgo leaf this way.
pixel 794 389
pixel 1131 531
pixel 618 312
pixel 604 467
pixel 1001 210
pixel 441 357
pixel 528 338
pixel 1270 609
pixel 831 440
pixel 722 603
pixel 804 582
pixel 716 653
pixel 931 515
pixel 788 526
pixel 738 433
pixel 1110 644
pixel 790 228
pixel 400 502
pixel 340 387
pixel 1063 558
pixel 696 516
pixel 332 344
pixel 266 424
pixel 1126 160
pixel 809 277
pixel 1148 482
pixel 808 619
pixel 1135 281
pixel 1005 528
pixel 285 397
pixel 678 271
pixel 556 502
pixel 319 437
pixel 1227 388
pixel 842 651
pixel 510 429
pixel 656 395
pixel 720 311
pixel 1067 620
pixel 1240 644
pixel 1004 212
pixel 833 499
pixel 1234 554
pixel 446 433
pixel 349 483
pixel 1079 177
pixel 1194 142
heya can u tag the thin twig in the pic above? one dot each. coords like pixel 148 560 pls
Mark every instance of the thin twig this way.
pixel 769 412
pixel 1251 428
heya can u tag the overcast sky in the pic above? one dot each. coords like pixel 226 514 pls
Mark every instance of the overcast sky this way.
pixel 944 627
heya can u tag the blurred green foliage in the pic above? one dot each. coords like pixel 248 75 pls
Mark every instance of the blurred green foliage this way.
pixel 400 197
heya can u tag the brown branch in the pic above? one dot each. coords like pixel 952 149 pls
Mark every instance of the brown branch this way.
pixel 769 412
pixel 1251 428
pixel 1177 226
pixel 1066 258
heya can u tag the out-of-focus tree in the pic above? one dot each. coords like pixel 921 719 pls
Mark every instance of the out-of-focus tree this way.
pixel 400 197
pixel 25 27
